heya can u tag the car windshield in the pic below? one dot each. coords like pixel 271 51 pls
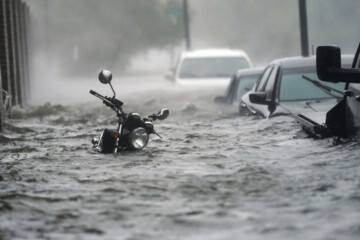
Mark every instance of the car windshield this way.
pixel 245 85
pixel 215 67
pixel 295 88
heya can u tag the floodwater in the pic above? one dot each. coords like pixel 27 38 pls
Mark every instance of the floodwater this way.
pixel 213 175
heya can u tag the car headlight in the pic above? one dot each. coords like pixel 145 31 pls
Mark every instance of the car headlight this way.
pixel 138 138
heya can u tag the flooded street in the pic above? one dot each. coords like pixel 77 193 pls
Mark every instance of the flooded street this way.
pixel 213 175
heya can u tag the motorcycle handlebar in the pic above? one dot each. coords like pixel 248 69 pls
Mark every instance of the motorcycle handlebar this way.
pixel 97 94
pixel 110 102
pixel 106 101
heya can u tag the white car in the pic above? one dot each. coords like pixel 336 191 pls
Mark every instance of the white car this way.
pixel 208 67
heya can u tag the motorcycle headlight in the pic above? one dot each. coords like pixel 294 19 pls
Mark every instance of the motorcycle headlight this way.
pixel 138 138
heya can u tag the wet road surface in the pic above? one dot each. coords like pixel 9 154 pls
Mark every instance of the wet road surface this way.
pixel 214 175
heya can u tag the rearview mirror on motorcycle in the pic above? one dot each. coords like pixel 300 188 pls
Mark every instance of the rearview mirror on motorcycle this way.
pixel 105 76
pixel 163 114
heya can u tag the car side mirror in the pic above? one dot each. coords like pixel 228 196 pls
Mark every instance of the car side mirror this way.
pixel 328 66
pixel 221 100
pixel 258 98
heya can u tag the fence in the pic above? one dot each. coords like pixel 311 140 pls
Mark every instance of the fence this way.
pixel 14 55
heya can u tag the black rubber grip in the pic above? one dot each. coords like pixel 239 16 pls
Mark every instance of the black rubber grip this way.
pixel 96 94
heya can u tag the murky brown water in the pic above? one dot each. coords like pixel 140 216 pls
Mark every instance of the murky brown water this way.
pixel 214 175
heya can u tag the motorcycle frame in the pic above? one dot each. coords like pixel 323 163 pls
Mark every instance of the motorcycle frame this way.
pixel 119 130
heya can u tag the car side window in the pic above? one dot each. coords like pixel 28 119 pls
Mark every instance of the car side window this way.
pixel 264 77
pixel 270 84
pixel 356 86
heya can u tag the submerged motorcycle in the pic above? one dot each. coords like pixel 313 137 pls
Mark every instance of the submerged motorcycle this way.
pixel 132 132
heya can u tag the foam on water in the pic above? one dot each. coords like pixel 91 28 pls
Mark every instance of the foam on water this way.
pixel 214 175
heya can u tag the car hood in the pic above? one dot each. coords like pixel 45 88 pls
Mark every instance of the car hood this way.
pixel 311 115
pixel 307 107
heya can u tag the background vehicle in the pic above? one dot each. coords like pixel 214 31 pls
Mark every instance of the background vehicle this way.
pixel 208 67
pixel 241 82
pixel 344 119
pixel 132 132
pixel 290 86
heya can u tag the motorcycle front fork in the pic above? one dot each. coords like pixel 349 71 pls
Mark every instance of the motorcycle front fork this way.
pixel 119 130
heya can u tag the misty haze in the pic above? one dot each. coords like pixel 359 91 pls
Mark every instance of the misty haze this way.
pixel 158 146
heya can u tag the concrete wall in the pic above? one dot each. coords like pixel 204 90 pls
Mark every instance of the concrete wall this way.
pixel 14 57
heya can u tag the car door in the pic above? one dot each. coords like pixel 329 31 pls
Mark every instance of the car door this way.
pixel 231 91
pixel 270 90
pixel 269 87
pixel 353 105
pixel 257 109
